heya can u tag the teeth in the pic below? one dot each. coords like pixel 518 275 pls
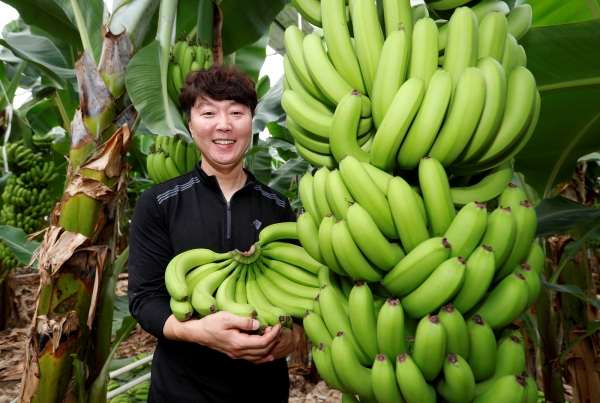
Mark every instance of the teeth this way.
pixel 224 141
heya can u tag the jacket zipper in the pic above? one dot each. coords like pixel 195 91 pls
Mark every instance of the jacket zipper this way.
pixel 228 220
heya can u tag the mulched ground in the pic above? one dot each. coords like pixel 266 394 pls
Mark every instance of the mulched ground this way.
pixel 302 390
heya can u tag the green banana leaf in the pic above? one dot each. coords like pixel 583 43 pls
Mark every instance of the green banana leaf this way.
pixel 187 11
pixel 251 58
pixel 287 175
pixel 138 17
pixel 16 240
pixel 141 80
pixel 546 12
pixel 559 215
pixel 49 16
pixel 564 60
pixel 42 53
pixel 269 108
pixel 245 22
pixel 89 14
pixel 570 289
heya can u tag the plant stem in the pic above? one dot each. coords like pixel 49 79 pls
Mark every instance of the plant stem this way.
pixel 81 27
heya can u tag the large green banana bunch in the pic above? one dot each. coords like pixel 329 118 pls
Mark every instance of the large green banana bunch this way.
pixel 272 282
pixel 26 196
pixel 376 93
pixel 171 157
pixel 186 56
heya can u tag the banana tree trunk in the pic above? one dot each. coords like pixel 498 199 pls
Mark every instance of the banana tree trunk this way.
pixel 75 250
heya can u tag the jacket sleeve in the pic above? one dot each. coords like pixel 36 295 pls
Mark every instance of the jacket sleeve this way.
pixel 150 251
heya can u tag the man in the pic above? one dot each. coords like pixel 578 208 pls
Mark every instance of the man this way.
pixel 222 207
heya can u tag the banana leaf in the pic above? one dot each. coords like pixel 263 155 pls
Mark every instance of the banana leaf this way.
pixel 87 17
pixel 16 240
pixel 562 12
pixel 138 17
pixel 251 58
pixel 269 108
pixel 564 60
pixel 559 215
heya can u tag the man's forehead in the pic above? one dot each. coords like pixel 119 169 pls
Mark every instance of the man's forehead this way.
pixel 202 101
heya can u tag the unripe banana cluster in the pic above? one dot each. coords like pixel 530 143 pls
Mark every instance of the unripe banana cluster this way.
pixel 170 157
pixel 139 391
pixel 391 95
pixel 186 56
pixel 26 196
pixel 122 398
pixel 273 282
pixel 427 260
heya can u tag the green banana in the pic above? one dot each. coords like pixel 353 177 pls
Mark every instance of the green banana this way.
pixel 396 122
pixel 490 187
pixel 424 55
pixel 368 38
pixel 202 296
pixel 307 196
pixel 463 116
pixel 324 74
pixel 479 273
pixel 383 379
pixel 287 285
pixel 519 20
pixel 412 384
pixel 439 288
pixel 458 384
pixel 344 128
pixel 492 36
pixel 510 361
pixel 398 14
pixel 190 156
pixel 182 310
pixel 417 266
pixel 308 234
pixel 535 257
pixel 337 320
pixel 404 207
pixel 322 359
pixel 430 346
pixel 482 348
pixel 340 47
pixel 310 10
pixel 308 140
pixel 292 254
pixel 510 57
pixel 293 39
pixel 293 305
pixel 277 232
pixel 337 194
pixel 326 246
pixel 425 127
pixel 390 74
pixel 350 256
pixel 526 220
pixel 225 296
pixel 362 318
pixel 493 111
pixel 522 57
pixel 316 330
pixel 511 196
pixel 461 43
pixel 390 328
pixel 193 277
pixel 272 314
pixel 457 336
pixel 370 240
pixel 292 272
pixel 419 12
pixel 240 295
pixel 296 84
pixel 533 282
pixel 348 367
pixel 507 389
pixel 531 390
pixel 505 303
pixel 436 196
pixel 381 178
pixel 319 180
pixel 467 229
pixel 183 263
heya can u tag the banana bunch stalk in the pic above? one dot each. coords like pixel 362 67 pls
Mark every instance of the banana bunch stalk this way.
pixel 377 92
pixel 186 56
pixel 26 196
pixel 171 157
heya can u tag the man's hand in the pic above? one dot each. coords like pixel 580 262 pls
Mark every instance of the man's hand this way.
pixel 225 332
pixel 285 344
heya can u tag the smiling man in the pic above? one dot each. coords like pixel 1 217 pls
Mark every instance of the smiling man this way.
pixel 219 206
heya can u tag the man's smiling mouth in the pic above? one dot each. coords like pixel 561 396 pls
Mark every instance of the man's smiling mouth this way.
pixel 224 142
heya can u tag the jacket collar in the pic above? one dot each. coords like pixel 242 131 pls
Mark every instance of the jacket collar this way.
pixel 212 183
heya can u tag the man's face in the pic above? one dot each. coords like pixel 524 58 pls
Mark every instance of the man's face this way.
pixel 222 130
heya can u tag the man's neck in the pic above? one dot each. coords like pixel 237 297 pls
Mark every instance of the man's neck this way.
pixel 230 181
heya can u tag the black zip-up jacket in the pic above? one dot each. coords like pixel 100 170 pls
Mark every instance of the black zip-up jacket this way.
pixel 184 213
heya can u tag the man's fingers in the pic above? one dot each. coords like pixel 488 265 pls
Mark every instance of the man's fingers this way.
pixel 241 322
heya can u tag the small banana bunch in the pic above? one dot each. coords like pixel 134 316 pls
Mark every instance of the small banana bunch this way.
pixel 140 391
pixel 185 57
pixel 379 94
pixel 272 282
pixel 122 398
pixel 171 157
pixel 137 358
pixel 112 385
pixel 26 195
pixel 43 142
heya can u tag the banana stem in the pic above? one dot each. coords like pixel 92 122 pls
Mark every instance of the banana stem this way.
pixel 81 28
pixel 63 113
